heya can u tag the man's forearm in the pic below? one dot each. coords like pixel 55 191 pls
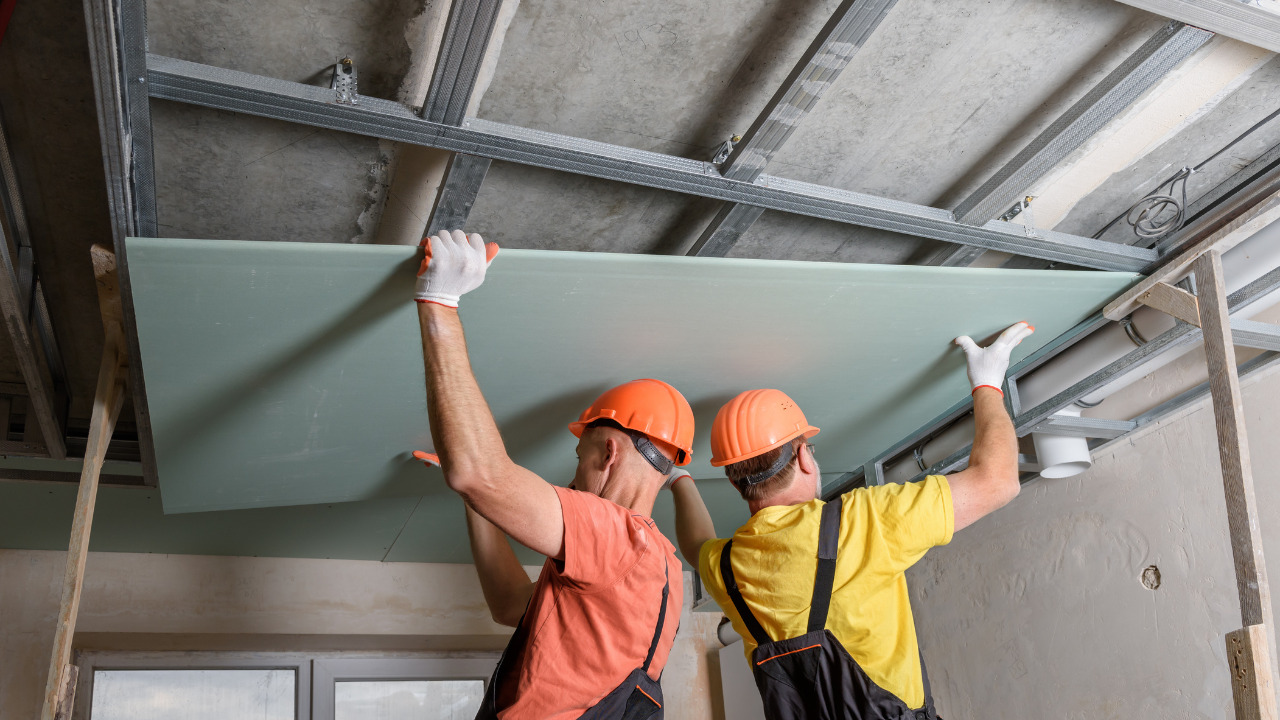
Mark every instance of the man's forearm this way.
pixel 506 587
pixel 995 444
pixel 693 522
pixel 462 427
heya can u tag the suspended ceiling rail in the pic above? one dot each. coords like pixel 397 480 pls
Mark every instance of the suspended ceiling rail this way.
pixel 453 81
pixel 1139 72
pixel 827 56
pixel 1236 19
pixel 188 82
pixel 22 302
pixel 117 57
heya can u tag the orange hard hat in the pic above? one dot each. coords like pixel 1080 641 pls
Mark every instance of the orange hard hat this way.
pixel 755 422
pixel 650 407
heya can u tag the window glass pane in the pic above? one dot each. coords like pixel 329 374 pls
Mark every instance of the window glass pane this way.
pixel 193 694
pixel 408 700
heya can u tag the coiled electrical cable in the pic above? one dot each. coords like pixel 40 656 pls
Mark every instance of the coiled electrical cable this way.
pixel 1149 217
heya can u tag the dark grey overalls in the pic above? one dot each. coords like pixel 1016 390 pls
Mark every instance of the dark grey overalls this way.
pixel 812 677
pixel 639 697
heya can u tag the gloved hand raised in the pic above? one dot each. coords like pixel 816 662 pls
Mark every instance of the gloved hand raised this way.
pixel 454 264
pixel 675 474
pixel 988 365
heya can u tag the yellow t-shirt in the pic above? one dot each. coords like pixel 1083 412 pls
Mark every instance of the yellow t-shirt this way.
pixel 883 531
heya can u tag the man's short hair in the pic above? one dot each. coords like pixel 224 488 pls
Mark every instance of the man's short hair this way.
pixel 760 463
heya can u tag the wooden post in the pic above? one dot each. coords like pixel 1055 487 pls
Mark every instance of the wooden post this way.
pixel 1242 507
pixel 1250 665
pixel 109 396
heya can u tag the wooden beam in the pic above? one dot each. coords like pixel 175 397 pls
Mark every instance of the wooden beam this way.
pixel 108 398
pixel 1236 232
pixel 1172 301
pixel 1243 524
pixel 1250 664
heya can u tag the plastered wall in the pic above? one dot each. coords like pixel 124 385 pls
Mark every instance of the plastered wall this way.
pixel 135 601
pixel 1040 610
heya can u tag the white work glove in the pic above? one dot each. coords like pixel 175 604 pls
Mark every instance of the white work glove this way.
pixel 453 265
pixel 988 365
pixel 675 474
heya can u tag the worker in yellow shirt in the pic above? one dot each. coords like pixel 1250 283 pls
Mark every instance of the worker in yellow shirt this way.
pixel 817 590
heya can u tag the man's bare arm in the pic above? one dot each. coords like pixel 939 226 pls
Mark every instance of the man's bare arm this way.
pixel 470 449
pixel 693 523
pixel 991 480
pixel 506 587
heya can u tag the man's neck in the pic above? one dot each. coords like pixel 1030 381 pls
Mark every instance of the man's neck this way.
pixel 787 498
pixel 636 498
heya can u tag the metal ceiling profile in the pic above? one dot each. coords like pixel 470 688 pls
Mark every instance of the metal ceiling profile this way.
pixel 26 320
pixel 1237 19
pixel 117 32
pixel 194 83
pixel 819 66
pixel 466 40
pixel 1118 90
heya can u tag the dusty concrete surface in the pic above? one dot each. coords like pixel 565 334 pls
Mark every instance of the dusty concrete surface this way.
pixel 174 602
pixel 1040 610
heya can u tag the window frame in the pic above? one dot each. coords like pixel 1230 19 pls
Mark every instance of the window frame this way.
pixel 315 673
pixel 90 662
pixel 327 672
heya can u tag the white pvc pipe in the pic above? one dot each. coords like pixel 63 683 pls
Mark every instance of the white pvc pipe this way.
pixel 1062 456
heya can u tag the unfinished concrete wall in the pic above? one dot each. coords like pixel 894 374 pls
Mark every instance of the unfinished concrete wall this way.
pixel 1048 609
pixel 158 602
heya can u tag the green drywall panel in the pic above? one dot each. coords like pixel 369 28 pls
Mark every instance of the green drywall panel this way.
pixel 37 516
pixel 291 373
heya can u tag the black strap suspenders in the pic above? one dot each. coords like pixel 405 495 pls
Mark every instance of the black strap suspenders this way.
pixel 662 615
pixel 731 587
pixel 828 544
pixel 824 579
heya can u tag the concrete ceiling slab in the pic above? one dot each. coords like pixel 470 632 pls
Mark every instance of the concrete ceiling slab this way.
pixel 527 207
pixel 291 373
pixel 945 93
pixel 675 77
pixel 223 175
pixel 297 41
pixel 1195 143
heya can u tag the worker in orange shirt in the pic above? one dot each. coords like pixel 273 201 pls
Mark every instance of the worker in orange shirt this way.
pixel 595 630
pixel 816 589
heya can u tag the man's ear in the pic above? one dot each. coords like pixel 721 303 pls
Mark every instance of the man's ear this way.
pixel 805 460
pixel 612 452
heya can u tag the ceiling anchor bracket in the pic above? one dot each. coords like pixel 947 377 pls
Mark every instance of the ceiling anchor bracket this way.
pixel 343 83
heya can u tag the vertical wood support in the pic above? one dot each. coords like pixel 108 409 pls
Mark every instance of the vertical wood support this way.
pixel 1250 665
pixel 108 398
pixel 1242 508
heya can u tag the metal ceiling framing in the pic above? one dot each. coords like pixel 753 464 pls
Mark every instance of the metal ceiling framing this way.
pixel 26 319
pixel 1237 19
pixel 1162 52
pixel 117 57
pixel 840 39
pixel 198 84
pixel 118 45
pixel 466 40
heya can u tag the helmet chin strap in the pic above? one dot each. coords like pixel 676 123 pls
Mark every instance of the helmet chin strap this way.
pixel 652 454
pixel 785 457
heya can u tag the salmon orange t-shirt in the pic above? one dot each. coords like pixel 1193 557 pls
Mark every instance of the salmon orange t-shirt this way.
pixel 592 618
